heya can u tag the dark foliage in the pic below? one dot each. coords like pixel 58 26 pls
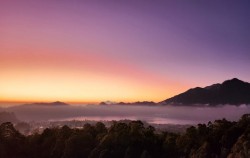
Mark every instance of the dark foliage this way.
pixel 129 140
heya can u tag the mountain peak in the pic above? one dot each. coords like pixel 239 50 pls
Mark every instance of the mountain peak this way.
pixel 58 103
pixel 233 91
pixel 234 80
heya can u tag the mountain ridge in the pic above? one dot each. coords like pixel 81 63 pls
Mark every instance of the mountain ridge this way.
pixel 232 92
pixel 56 103
pixel 128 103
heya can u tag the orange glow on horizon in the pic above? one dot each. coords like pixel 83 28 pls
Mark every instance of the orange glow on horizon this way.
pixel 81 82
pixel 30 74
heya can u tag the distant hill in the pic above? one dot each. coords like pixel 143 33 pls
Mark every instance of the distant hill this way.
pixel 130 103
pixel 57 103
pixel 234 92
pixel 139 103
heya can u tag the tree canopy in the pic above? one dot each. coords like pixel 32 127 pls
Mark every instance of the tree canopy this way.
pixel 221 138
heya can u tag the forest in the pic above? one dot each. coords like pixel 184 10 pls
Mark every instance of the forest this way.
pixel 218 139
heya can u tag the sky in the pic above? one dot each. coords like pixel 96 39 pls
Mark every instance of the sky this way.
pixel 125 50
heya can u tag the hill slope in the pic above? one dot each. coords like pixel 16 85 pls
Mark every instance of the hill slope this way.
pixel 234 92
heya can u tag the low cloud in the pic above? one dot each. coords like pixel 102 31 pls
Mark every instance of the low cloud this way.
pixel 152 114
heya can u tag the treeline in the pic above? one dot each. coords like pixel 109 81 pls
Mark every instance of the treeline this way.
pixel 219 139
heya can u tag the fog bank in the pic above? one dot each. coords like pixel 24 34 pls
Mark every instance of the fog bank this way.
pixel 151 114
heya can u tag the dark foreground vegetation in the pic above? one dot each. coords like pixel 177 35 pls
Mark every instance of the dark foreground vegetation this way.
pixel 221 139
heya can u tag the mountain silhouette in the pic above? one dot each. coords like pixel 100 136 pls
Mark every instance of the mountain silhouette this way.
pixel 56 103
pixel 234 92
pixel 128 103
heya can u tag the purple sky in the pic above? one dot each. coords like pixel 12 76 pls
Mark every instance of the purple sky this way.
pixel 191 43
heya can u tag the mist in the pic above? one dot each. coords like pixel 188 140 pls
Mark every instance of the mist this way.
pixel 150 114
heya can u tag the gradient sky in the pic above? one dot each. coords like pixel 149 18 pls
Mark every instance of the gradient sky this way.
pixel 119 50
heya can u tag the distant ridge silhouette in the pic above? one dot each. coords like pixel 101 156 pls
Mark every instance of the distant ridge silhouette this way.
pixel 233 92
pixel 56 103
pixel 128 103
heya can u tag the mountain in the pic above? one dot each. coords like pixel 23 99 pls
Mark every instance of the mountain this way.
pixel 129 103
pixel 57 103
pixel 142 103
pixel 234 92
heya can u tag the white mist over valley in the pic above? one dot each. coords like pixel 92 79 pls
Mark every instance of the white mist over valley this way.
pixel 151 114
